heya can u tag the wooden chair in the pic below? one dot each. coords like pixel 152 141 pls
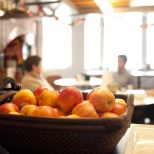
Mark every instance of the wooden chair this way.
pixel 51 80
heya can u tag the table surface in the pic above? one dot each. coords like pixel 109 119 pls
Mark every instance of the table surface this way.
pixel 142 73
pixel 74 82
pixel 135 73
pixel 142 98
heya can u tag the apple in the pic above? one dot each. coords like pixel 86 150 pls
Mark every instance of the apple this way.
pixel 46 111
pixel 119 108
pixel 59 112
pixel 37 93
pixel 85 109
pixel 88 95
pixel 120 100
pixel 102 99
pixel 14 112
pixel 69 97
pixel 109 115
pixel 48 98
pixel 22 97
pixel 70 116
pixel 28 109
pixel 8 107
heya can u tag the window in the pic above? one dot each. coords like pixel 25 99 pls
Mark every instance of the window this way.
pixel 123 35
pixel 56 44
pixel 92 41
pixel 149 40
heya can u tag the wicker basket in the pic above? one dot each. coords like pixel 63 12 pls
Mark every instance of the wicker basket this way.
pixel 25 134
pixel 43 135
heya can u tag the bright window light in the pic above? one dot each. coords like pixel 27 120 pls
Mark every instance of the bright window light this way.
pixel 56 45
pixel 139 3
pixel 105 7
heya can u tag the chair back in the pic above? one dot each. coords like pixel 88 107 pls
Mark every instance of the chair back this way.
pixel 51 80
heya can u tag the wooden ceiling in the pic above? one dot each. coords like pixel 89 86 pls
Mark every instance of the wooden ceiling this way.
pixel 91 5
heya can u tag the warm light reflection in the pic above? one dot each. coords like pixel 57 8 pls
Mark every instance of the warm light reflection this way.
pixel 2 13
pixel 105 6
pixel 139 3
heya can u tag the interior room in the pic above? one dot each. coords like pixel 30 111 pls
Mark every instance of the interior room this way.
pixel 79 43
pixel 85 31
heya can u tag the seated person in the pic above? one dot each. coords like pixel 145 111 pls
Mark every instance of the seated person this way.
pixel 33 77
pixel 123 78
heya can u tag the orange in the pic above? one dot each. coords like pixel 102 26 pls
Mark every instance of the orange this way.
pixel 108 115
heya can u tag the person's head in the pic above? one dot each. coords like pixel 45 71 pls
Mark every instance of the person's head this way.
pixel 122 60
pixel 33 64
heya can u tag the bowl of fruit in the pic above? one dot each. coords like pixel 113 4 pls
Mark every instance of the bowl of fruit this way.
pixel 70 121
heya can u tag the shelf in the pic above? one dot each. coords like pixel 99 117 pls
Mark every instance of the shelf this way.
pixel 15 13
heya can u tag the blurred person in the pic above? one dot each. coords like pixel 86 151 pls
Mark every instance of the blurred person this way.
pixel 123 78
pixel 33 77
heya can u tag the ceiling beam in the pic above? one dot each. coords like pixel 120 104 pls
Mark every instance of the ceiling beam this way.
pixel 120 9
pixel 43 3
pixel 134 9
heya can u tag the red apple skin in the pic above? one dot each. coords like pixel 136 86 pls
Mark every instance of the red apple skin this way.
pixel 48 98
pixel 103 100
pixel 119 108
pixel 69 97
pixel 88 95
pixel 85 109
pixel 37 93
pixel 46 111
pixel 59 112
pixel 28 109
pixel 8 107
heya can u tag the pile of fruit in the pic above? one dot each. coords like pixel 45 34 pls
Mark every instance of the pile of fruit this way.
pixel 68 103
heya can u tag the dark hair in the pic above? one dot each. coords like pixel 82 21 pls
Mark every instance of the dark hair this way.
pixel 124 57
pixel 30 61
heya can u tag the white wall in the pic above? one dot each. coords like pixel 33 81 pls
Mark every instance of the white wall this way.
pixel 21 26
pixel 77 54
